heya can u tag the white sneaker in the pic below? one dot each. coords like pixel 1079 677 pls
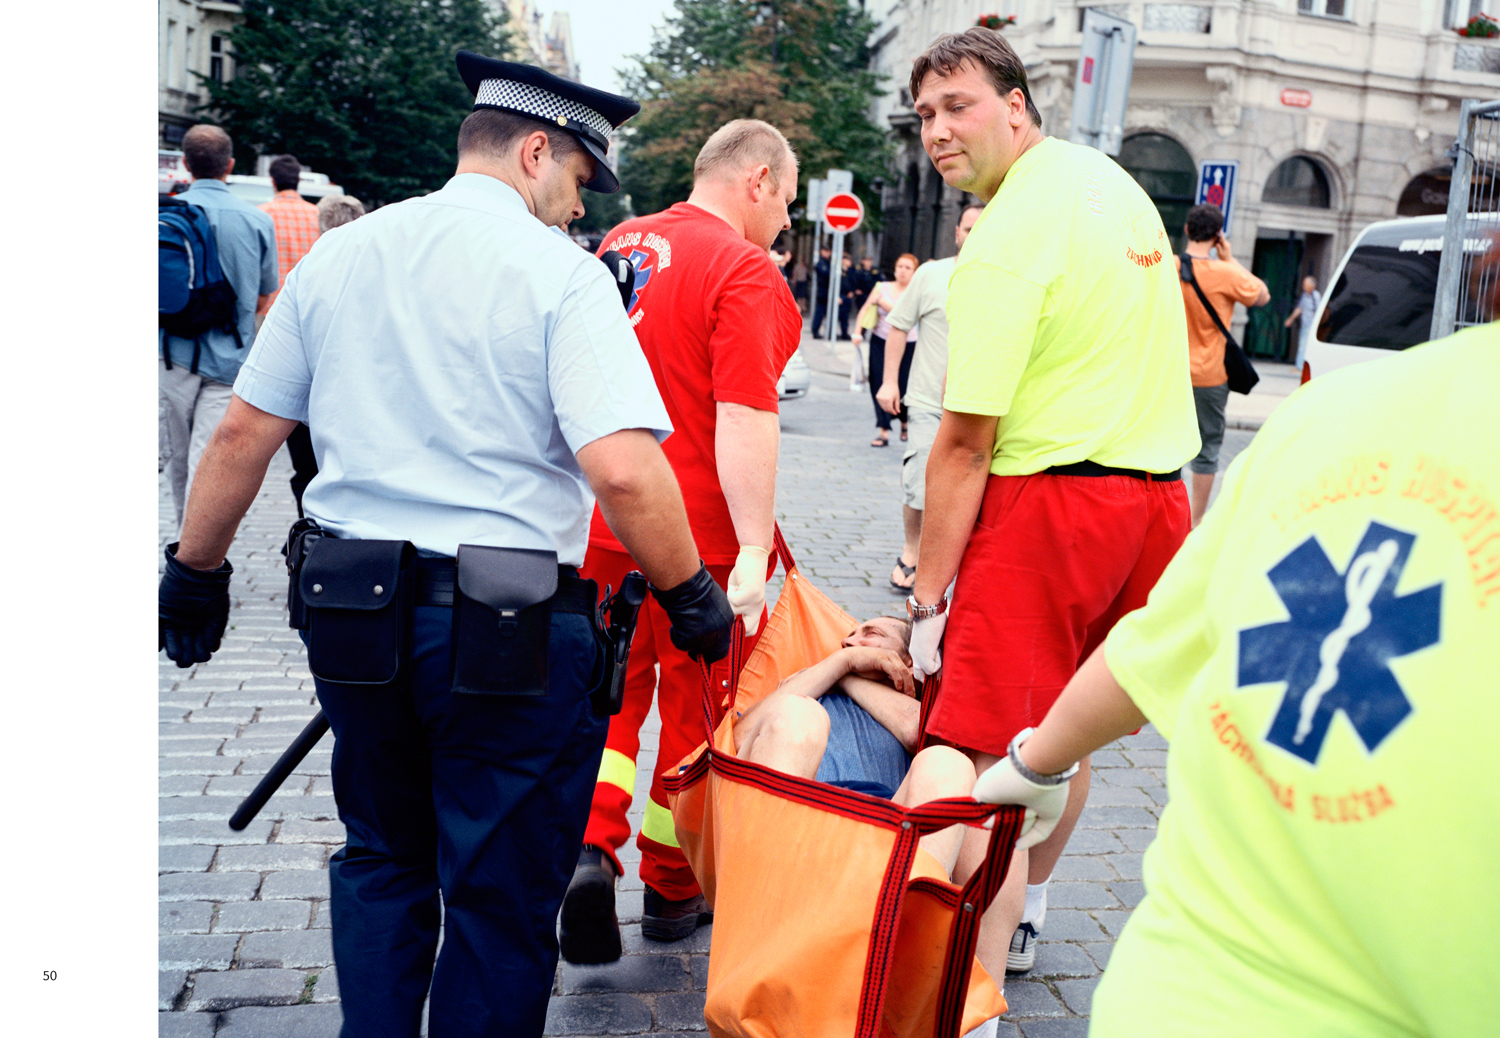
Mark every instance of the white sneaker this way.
pixel 1022 949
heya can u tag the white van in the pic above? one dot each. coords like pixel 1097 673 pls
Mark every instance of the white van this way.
pixel 255 190
pixel 1384 290
pixel 171 173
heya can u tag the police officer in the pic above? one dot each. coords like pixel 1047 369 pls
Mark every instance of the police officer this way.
pixel 471 383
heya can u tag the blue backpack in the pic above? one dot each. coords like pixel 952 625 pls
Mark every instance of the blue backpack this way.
pixel 192 294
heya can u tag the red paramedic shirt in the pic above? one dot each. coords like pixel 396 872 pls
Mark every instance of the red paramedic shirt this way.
pixel 717 323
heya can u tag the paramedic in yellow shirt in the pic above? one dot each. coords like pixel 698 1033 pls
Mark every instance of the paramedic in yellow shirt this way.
pixel 1320 656
pixel 1054 491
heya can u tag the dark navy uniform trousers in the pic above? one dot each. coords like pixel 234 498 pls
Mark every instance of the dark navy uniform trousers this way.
pixel 463 808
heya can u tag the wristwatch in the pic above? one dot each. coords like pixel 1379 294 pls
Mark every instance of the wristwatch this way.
pixel 927 612
pixel 1032 776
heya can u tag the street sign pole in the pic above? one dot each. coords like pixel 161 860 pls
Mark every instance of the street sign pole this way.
pixel 842 212
pixel 1101 85
pixel 835 278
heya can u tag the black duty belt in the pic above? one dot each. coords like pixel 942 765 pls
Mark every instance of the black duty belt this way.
pixel 1093 468
pixel 436 579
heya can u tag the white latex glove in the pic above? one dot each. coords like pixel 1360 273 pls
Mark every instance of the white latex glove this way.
pixel 1003 784
pixel 747 586
pixel 926 639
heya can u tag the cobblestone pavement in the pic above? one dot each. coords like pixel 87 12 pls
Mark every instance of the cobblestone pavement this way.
pixel 244 939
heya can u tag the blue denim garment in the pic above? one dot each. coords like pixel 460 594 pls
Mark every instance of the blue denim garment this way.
pixel 860 750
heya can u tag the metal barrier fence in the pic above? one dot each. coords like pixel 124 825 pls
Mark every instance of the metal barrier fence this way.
pixel 1467 273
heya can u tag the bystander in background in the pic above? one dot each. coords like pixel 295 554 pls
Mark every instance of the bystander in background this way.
pixel 297 227
pixel 195 377
pixel 1307 307
pixel 822 271
pixel 846 297
pixel 337 210
pixel 913 385
pixel 882 299
pixel 1225 283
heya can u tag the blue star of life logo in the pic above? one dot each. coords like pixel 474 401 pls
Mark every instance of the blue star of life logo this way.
pixel 1334 653
pixel 643 273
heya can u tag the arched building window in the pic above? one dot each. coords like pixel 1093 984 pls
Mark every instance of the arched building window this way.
pixel 1298 181
pixel 1427 193
pixel 1166 172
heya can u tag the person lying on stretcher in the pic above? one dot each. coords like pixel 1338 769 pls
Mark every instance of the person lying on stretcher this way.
pixel 852 720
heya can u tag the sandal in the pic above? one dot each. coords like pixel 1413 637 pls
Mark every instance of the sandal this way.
pixel 881 441
pixel 908 572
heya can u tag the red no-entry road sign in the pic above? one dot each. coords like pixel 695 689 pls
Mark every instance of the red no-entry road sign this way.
pixel 843 212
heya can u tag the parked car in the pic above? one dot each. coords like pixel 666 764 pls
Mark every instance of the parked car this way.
pixel 1384 290
pixel 255 190
pixel 795 378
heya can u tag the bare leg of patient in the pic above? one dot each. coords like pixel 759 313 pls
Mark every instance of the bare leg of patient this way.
pixel 938 772
pixel 785 732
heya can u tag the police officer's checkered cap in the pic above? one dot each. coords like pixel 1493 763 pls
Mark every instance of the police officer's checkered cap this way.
pixel 540 104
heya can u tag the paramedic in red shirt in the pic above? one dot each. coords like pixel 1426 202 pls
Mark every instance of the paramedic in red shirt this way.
pixel 717 323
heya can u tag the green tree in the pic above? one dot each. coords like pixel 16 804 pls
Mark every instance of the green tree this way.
pixel 363 90
pixel 801 65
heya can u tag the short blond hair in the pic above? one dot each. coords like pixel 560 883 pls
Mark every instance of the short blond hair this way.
pixel 744 143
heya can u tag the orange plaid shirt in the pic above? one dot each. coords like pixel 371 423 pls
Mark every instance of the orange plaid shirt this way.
pixel 296 229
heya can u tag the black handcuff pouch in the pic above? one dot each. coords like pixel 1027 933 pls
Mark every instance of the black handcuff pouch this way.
pixel 502 620
pixel 357 595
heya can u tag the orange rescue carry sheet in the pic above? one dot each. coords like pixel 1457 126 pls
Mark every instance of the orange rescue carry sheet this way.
pixel 829 920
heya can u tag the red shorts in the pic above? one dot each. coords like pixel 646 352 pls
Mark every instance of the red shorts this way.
pixel 1053 562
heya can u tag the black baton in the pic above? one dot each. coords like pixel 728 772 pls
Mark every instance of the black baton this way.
pixel 284 766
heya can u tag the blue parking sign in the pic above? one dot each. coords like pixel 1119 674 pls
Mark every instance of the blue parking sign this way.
pixel 1216 186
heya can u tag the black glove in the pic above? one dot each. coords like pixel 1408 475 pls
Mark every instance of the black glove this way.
pixel 700 614
pixel 192 610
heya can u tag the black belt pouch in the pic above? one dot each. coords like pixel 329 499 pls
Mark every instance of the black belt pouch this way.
pixel 502 620
pixel 299 540
pixel 357 596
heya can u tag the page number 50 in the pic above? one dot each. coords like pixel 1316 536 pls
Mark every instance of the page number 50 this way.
pixel 49 974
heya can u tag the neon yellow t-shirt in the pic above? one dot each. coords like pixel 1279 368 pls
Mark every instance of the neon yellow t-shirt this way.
pixel 1321 655
pixel 1065 319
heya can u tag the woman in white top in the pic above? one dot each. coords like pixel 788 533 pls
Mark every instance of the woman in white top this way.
pixel 883 298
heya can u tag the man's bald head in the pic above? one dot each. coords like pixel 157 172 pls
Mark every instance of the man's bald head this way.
pixel 207 152
pixel 742 145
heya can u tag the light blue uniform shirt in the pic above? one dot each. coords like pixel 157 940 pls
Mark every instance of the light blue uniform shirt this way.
pixel 246 239
pixel 451 354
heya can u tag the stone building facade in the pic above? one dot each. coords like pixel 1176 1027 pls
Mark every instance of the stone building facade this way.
pixel 551 47
pixel 192 40
pixel 1339 113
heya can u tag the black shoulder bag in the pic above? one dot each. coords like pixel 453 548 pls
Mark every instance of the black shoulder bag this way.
pixel 1242 376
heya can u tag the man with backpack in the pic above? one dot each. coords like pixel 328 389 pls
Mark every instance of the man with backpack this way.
pixel 214 276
